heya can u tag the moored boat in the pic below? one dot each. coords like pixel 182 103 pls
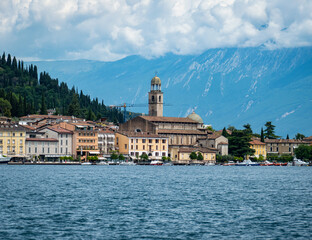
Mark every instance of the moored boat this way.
pixel 247 162
pixel 266 163
pixel 156 162
pixel 4 159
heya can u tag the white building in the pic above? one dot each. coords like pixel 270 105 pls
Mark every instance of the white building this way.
pixel 106 141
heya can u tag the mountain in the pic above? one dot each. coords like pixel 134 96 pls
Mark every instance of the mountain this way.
pixel 230 86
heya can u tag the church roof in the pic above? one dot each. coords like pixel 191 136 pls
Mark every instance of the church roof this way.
pixel 177 131
pixel 195 117
pixel 168 119
pixel 156 80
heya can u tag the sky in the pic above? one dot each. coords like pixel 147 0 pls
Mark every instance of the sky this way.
pixel 108 30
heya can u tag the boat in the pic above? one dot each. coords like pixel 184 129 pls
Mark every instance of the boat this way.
pixel 299 163
pixel 230 163
pixel 266 163
pixel 130 163
pixel 4 159
pixel 209 164
pixel 101 163
pixel 168 164
pixel 280 164
pixel 156 162
pixel 247 162
pixel 86 163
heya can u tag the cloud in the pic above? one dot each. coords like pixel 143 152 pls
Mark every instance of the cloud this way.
pixel 112 29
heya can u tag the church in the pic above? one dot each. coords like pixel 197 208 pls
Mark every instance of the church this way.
pixel 183 134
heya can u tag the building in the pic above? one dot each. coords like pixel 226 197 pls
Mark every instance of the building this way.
pixel 155 98
pixel 39 120
pixel 215 140
pixel 181 132
pixel 12 140
pixel 259 148
pixel 106 140
pixel 85 138
pixel 41 148
pixel 283 146
pixel 135 144
pixel 64 137
pixel 209 155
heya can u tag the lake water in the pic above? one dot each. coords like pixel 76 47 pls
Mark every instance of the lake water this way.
pixel 155 202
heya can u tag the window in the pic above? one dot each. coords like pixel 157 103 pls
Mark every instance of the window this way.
pixel 125 146
pixel 61 150
pixel 153 98
pixel 150 140
pixel 21 141
pixel 156 154
pixel 9 149
pixel 35 149
pixel 43 149
pixel 66 150
pixel 66 142
pixel 55 150
pixel 137 140
pixel 132 140
pixel 143 140
pixel 143 147
pixel 157 140
pixel 29 150
pixel 163 147
pixel 8 134
pixel 159 98
pixel 136 147
pixel 61 142
pixel 1 141
pixel 164 154
pixel 13 141
pixel 13 149
pixel 131 147
pixel 48 150
pixel 276 149
pixel 13 134
pixel 21 149
pixel 8 141
pixel 156 147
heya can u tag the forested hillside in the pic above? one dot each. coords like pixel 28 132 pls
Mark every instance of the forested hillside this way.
pixel 23 92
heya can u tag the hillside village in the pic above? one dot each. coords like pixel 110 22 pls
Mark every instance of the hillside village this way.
pixel 180 140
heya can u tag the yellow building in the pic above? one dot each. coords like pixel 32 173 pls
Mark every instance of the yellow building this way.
pixel 12 140
pixel 259 148
pixel 135 144
pixel 209 154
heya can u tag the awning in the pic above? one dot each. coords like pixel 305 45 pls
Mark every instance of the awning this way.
pixel 94 152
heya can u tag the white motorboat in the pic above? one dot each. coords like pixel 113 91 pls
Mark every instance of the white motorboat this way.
pixel 130 163
pixel 4 159
pixel 101 163
pixel 299 163
pixel 156 162
pixel 247 162
pixel 210 164
pixel 86 163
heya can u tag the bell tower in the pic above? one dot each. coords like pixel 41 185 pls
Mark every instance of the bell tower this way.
pixel 155 98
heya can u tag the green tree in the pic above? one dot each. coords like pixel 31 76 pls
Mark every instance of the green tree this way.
pixel 200 156
pixel 193 155
pixel 262 136
pixel 74 107
pixel 248 129
pixel 43 109
pixel 299 136
pixel 114 155
pixel 121 157
pixel 144 156
pixel 5 107
pixel 225 133
pixel 239 144
pixel 304 152
pixel 269 132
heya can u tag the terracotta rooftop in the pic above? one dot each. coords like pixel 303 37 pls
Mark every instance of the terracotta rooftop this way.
pixel 42 139
pixel 307 138
pixel 256 142
pixel 9 127
pixel 141 135
pixel 177 131
pixel 60 130
pixel 48 116
pixel 214 135
pixel 168 119
pixel 284 141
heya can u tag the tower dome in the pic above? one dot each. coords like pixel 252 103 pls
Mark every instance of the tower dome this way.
pixel 156 81
pixel 195 117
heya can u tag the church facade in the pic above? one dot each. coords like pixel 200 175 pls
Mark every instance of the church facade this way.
pixel 182 133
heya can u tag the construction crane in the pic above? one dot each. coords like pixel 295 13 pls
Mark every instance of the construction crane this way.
pixel 125 105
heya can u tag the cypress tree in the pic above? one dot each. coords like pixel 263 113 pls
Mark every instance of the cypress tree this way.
pixel 3 59
pixel 14 63
pixel 287 136
pixel 9 60
pixel 43 109
pixel 262 135
pixel 225 133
